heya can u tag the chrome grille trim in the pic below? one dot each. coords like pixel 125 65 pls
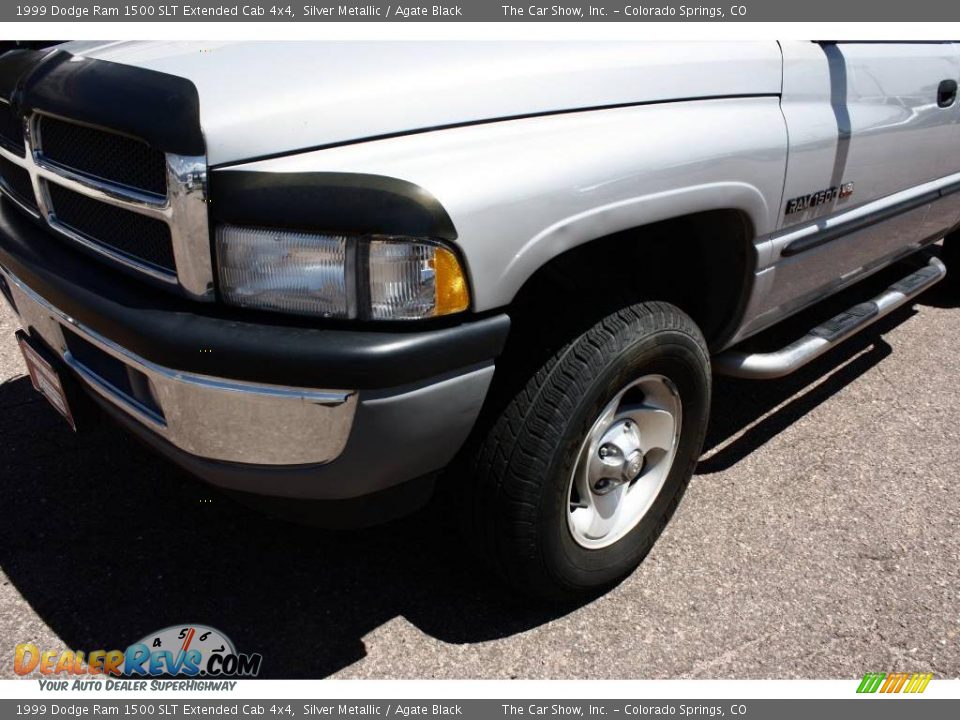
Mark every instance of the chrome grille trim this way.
pixel 189 225
pixel 102 155
pixel 16 201
pixel 152 271
pixel 18 198
pixel 103 191
pixel 184 210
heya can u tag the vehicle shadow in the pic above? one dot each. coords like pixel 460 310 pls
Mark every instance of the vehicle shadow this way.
pixel 107 543
pixel 746 414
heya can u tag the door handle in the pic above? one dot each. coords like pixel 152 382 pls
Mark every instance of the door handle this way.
pixel 947 93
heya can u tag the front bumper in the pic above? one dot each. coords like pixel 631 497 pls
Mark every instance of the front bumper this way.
pixel 414 399
pixel 211 417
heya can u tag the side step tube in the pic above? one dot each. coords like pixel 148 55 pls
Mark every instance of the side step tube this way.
pixel 766 366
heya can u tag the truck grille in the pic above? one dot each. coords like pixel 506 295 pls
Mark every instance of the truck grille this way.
pixel 107 193
pixel 11 130
pixel 16 181
pixel 143 238
pixel 103 155
pixel 111 158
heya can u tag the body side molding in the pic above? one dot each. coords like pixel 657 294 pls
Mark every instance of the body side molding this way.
pixel 820 232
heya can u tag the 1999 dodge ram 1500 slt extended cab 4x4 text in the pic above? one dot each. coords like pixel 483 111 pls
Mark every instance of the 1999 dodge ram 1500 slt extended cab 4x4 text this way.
pixel 321 272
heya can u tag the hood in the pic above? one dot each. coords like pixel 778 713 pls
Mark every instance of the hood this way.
pixel 266 98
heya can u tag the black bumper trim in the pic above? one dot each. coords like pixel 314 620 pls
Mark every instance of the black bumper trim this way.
pixel 224 342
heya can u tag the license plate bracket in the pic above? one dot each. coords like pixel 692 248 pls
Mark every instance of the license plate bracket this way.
pixel 45 378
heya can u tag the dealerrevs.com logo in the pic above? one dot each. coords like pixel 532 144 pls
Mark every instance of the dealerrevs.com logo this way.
pixel 191 651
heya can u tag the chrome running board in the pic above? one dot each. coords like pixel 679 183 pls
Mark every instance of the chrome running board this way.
pixel 766 366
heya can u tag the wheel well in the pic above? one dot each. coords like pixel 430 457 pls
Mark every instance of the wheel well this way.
pixel 702 263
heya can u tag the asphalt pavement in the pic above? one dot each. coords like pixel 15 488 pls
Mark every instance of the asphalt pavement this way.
pixel 820 538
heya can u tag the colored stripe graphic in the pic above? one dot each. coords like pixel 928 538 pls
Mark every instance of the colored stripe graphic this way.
pixel 871 682
pixel 922 681
pixel 894 682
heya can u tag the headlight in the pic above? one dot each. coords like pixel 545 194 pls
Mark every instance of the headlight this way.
pixel 339 276
pixel 281 270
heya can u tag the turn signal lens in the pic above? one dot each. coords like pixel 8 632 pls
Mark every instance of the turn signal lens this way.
pixel 411 280
pixel 452 295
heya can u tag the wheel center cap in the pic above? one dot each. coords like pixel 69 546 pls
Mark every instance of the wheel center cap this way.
pixel 621 454
pixel 633 465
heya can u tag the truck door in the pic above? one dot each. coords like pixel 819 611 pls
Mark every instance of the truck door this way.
pixel 869 125
pixel 944 215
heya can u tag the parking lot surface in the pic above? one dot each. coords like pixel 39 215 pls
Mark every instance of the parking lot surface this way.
pixel 820 538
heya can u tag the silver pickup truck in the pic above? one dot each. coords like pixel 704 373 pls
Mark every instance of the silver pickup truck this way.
pixel 316 275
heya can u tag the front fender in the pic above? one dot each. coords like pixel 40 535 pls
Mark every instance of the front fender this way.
pixel 521 192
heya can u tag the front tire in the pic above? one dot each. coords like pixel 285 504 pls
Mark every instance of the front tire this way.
pixel 580 473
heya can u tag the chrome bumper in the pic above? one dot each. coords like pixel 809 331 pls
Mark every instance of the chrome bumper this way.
pixel 208 417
